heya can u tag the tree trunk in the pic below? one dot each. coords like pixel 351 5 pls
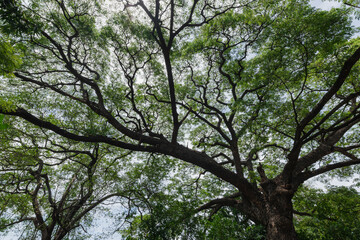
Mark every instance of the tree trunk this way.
pixel 279 213
pixel 45 235
pixel 280 227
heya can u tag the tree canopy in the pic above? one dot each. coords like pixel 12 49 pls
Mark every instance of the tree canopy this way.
pixel 173 108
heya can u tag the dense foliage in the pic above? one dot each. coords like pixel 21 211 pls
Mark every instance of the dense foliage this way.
pixel 331 215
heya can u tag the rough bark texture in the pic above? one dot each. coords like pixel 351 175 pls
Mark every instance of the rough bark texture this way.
pixel 279 210
pixel 280 220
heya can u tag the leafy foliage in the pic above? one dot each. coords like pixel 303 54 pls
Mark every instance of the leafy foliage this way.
pixel 9 61
pixel 3 125
pixel 332 215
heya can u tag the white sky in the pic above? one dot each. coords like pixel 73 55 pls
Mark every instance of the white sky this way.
pixel 325 5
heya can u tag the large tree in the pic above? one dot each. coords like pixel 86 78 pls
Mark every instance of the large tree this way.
pixel 262 95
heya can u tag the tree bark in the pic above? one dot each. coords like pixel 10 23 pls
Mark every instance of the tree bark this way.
pixel 280 227
pixel 279 211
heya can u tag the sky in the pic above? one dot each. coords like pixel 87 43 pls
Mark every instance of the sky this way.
pixel 325 5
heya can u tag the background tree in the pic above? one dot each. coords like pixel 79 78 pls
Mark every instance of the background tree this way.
pixel 262 95
pixel 49 187
pixel 331 215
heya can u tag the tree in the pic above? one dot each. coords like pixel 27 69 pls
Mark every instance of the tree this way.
pixel 49 187
pixel 261 95
pixel 330 215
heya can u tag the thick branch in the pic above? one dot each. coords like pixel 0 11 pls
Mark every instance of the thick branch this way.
pixel 92 138
pixel 306 175
pixel 226 201
pixel 325 148
pixel 344 73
